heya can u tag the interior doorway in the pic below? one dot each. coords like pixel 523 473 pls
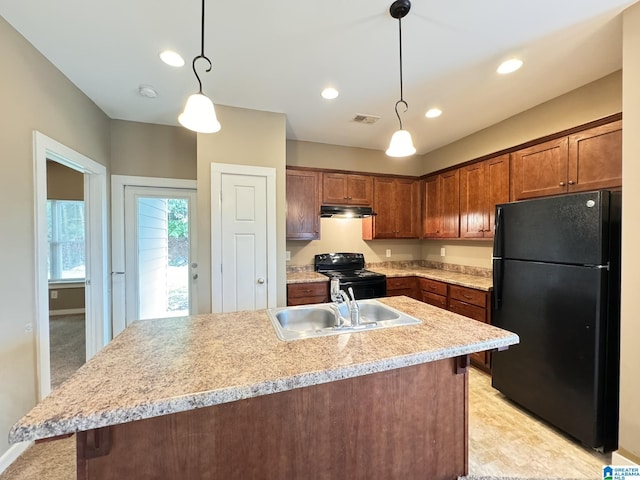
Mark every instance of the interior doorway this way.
pixel 97 326
pixel 155 269
pixel 243 237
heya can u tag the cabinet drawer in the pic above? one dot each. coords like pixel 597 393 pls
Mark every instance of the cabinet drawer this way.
pixel 471 311
pixel 433 286
pixel 434 299
pixel 294 301
pixel 468 295
pixel 396 283
pixel 297 290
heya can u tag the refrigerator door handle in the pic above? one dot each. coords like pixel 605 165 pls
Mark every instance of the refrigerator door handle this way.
pixel 498 234
pixel 497 283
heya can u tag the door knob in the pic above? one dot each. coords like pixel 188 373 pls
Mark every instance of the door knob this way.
pixel 260 280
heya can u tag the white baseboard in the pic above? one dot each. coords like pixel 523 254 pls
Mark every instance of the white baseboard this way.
pixel 10 455
pixel 620 460
pixel 66 311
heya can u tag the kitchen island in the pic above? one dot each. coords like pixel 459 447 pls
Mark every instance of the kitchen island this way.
pixel 220 396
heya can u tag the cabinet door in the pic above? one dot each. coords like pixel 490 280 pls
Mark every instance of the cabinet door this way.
pixel 303 210
pixel 497 189
pixel 360 190
pixel 450 204
pixel 473 201
pixel 595 158
pixel 384 223
pixel 431 208
pixel 407 208
pixel 540 170
pixel 334 188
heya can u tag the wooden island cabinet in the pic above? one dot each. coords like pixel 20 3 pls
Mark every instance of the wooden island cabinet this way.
pixel 308 292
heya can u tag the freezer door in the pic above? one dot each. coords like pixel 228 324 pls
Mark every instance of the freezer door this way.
pixel 557 369
pixel 569 229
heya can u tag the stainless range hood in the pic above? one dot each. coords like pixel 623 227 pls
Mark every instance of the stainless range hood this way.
pixel 345 211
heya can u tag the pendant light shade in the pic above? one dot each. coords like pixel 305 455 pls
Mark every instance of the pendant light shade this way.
pixel 199 114
pixel 401 144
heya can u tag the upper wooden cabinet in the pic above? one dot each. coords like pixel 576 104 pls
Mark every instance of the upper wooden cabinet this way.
pixel 587 160
pixel 397 204
pixel 595 158
pixel 303 205
pixel 347 189
pixel 483 185
pixel 441 211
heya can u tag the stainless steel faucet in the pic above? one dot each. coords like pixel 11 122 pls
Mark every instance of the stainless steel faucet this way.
pixel 354 310
pixel 337 297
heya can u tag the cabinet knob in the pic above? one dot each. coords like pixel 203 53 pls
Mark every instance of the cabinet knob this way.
pixel 571 182
pixel 562 184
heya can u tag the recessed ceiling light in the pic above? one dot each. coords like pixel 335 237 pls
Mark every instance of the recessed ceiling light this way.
pixel 147 91
pixel 172 58
pixel 433 113
pixel 330 93
pixel 509 66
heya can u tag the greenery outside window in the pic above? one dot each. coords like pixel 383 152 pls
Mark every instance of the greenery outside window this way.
pixel 66 240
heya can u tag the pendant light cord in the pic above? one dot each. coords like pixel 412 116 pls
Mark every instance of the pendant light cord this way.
pixel 406 106
pixel 202 55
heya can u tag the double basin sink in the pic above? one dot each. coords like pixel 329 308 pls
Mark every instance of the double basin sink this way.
pixel 318 320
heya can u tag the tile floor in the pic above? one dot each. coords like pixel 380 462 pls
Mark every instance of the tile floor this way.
pixel 504 441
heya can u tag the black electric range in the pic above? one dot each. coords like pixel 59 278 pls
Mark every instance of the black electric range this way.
pixel 349 269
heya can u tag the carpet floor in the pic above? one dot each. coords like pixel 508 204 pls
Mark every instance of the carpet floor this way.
pixel 66 346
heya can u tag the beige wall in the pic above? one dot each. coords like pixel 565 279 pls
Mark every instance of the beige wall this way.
pixel 247 137
pixel 34 96
pixel 148 150
pixel 595 100
pixel 345 235
pixel 67 298
pixel 321 155
pixel 630 323
pixel 64 183
pixel 474 253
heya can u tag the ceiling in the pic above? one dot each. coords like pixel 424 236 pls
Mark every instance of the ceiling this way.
pixel 277 56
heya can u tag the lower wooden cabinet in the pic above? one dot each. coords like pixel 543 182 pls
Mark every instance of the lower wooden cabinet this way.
pixel 403 286
pixel 433 292
pixel 474 304
pixel 304 293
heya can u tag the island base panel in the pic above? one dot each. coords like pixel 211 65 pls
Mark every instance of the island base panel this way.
pixel 408 423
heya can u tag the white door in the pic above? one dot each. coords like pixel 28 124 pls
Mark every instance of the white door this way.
pixel 243 238
pixel 160 265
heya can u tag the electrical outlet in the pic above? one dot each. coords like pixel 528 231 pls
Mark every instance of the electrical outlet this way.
pixel 388 253
pixel 54 294
pixel 287 255
pixel 442 251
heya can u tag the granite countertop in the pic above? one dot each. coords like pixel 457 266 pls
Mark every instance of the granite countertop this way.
pixel 163 366
pixel 455 278
pixel 306 277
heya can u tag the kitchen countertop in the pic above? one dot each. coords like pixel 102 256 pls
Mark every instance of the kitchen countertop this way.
pixel 306 277
pixel 455 278
pixel 163 366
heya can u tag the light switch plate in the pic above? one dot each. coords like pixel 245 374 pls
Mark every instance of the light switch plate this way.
pixel 287 255
pixel 388 253
pixel 442 251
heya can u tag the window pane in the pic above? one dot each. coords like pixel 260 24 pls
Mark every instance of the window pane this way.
pixel 67 245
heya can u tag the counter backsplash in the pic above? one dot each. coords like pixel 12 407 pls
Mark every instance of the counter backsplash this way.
pixel 449 267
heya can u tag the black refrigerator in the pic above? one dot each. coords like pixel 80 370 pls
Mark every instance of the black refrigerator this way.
pixel 556 277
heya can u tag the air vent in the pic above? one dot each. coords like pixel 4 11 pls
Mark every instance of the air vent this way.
pixel 368 119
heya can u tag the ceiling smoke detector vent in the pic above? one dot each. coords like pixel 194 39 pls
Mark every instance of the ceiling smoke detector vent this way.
pixel 368 119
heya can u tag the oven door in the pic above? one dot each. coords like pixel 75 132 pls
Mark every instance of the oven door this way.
pixel 366 288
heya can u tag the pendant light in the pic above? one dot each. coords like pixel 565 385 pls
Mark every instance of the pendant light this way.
pixel 199 114
pixel 401 144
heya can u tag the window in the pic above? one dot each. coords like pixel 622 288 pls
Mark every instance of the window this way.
pixel 66 240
